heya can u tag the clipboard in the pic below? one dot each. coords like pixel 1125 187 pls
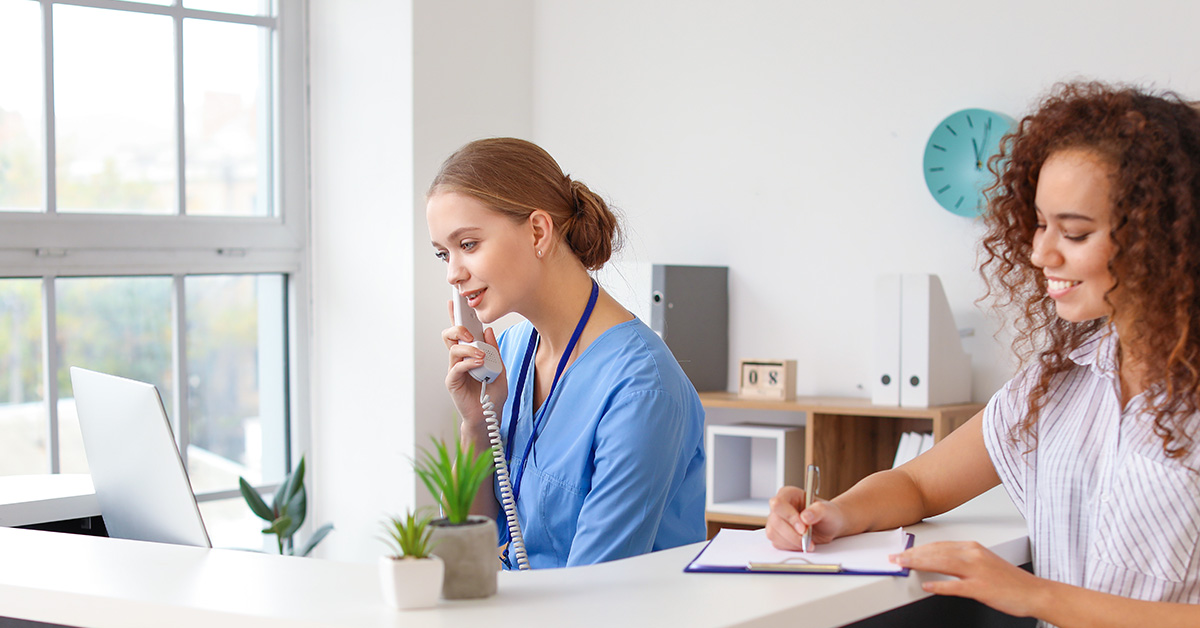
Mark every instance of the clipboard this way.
pixel 749 551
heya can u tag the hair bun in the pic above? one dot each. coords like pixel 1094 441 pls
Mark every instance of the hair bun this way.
pixel 578 192
pixel 593 232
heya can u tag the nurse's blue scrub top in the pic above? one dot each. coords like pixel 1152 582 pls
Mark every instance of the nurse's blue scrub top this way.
pixel 618 467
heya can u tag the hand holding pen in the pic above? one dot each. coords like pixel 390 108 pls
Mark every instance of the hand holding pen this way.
pixel 792 516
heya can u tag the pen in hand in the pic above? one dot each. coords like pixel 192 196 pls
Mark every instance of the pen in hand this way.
pixel 812 483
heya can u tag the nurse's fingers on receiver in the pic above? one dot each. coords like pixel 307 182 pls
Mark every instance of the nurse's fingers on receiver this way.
pixel 489 336
pixel 469 354
pixel 452 335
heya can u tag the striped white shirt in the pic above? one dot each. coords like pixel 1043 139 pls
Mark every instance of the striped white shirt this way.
pixel 1106 508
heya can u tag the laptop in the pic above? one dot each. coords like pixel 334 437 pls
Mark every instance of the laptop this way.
pixel 140 482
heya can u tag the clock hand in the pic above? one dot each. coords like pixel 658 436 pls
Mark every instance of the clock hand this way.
pixel 977 155
pixel 987 131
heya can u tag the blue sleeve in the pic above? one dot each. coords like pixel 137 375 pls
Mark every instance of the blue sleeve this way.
pixel 638 447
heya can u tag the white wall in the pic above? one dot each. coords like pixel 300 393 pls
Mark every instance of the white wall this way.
pixel 780 138
pixel 473 79
pixel 783 139
pixel 361 114
pixel 395 88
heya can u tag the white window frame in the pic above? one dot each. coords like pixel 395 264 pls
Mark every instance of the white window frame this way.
pixel 49 245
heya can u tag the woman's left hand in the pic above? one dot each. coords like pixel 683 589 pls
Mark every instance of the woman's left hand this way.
pixel 982 576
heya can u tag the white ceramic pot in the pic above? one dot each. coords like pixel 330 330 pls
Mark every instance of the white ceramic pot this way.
pixel 411 582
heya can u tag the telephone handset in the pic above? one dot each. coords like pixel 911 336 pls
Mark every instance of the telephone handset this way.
pixel 492 366
pixel 466 317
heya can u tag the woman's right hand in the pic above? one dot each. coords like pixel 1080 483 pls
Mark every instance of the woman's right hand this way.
pixel 789 519
pixel 464 389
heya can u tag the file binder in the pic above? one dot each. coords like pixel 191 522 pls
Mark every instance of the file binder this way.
pixel 919 358
pixel 885 389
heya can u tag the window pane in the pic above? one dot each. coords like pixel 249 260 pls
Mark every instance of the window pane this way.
pixel 114 111
pixel 230 524
pixel 226 78
pixel 116 325
pixel 24 424
pixel 21 145
pixel 235 349
pixel 242 7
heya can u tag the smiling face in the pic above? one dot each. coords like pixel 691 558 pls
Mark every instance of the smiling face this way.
pixel 1072 245
pixel 489 257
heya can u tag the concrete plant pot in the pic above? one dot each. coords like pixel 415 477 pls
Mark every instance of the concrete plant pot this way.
pixel 469 552
pixel 408 583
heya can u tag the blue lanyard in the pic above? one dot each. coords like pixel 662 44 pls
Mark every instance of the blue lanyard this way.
pixel 515 409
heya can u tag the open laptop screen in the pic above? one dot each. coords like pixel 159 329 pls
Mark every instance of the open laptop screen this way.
pixel 142 487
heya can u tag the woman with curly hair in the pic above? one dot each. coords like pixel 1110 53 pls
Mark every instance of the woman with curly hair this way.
pixel 1093 234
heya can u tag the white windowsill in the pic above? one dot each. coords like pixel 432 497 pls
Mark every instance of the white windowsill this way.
pixel 33 499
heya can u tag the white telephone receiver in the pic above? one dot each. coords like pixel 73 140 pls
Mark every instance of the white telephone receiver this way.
pixel 492 366
pixel 466 317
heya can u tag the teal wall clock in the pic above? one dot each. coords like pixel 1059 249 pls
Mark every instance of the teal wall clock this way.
pixel 956 158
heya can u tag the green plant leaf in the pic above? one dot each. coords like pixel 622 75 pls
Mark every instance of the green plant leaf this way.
pixel 296 481
pixel 278 500
pixel 437 473
pixel 454 480
pixel 287 489
pixel 295 509
pixel 278 526
pixel 317 537
pixel 254 500
pixel 409 536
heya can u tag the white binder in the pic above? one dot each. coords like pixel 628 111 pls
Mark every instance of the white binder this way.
pixel 885 388
pixel 933 368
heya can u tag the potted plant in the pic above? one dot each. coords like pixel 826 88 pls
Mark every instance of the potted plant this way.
pixel 286 512
pixel 410 577
pixel 466 543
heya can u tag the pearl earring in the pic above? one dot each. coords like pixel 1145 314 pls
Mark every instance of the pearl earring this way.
pixel 539 252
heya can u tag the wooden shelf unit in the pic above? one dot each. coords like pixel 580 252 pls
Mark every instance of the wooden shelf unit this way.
pixel 848 438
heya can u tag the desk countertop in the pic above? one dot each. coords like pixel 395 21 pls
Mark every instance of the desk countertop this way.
pixel 100 582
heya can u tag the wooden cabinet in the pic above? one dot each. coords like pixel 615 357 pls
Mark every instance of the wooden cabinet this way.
pixel 848 438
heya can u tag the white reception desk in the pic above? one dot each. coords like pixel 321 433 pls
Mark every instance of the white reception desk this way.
pixel 101 582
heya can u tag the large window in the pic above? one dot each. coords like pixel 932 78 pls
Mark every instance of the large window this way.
pixel 152 226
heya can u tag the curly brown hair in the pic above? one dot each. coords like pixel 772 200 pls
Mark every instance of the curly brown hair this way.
pixel 1152 142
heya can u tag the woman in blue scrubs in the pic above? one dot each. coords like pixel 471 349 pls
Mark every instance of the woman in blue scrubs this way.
pixel 603 432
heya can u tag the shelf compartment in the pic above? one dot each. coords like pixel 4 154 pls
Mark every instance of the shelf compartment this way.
pixel 748 463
